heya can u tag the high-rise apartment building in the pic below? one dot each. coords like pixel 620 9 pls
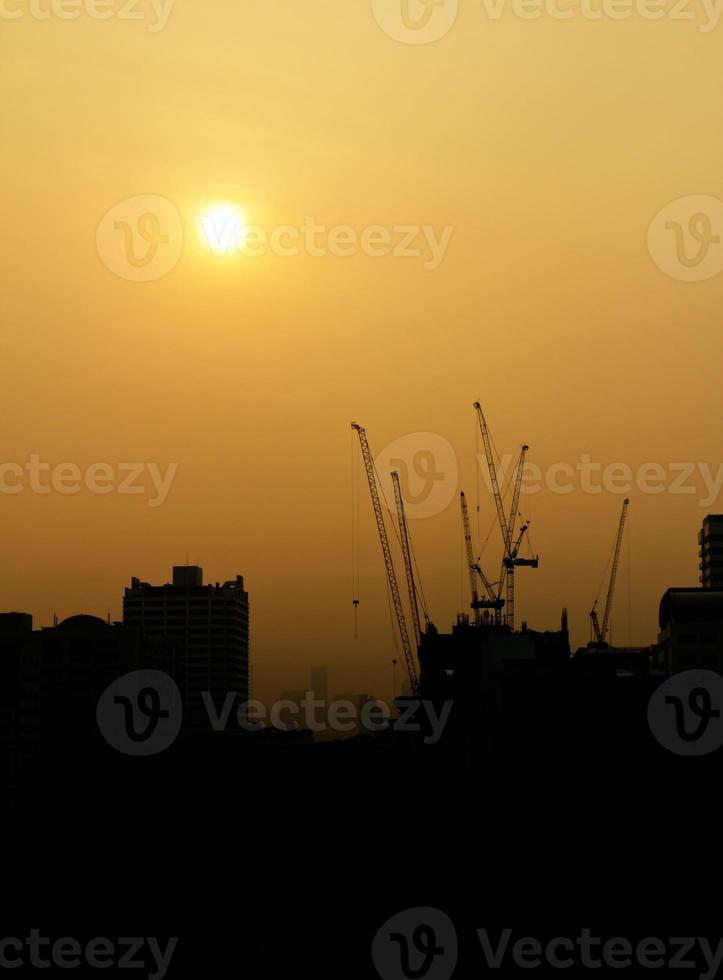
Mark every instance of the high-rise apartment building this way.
pixel 710 541
pixel 208 626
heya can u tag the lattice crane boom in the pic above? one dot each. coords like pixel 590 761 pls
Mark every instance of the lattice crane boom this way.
pixel 470 558
pixel 407 553
pixel 475 572
pixel 487 442
pixel 614 572
pixel 516 497
pixel 386 551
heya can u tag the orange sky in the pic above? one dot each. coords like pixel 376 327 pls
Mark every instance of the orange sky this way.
pixel 546 146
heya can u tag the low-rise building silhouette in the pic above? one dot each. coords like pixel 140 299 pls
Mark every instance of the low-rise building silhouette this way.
pixel 691 630
pixel 52 678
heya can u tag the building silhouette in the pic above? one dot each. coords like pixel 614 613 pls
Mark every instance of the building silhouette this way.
pixel 208 626
pixel 691 630
pixel 710 541
pixel 19 676
pixel 52 678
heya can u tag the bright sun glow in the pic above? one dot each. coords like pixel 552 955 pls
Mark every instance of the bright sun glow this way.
pixel 223 228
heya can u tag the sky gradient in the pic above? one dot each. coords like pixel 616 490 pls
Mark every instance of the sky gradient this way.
pixel 546 146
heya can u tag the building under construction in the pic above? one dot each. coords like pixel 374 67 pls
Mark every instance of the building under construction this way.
pixel 484 666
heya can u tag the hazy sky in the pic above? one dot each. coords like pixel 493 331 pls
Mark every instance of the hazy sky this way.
pixel 546 147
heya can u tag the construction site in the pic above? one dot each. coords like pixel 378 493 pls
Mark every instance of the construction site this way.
pixel 505 680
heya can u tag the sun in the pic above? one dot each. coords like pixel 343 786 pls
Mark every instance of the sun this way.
pixel 222 228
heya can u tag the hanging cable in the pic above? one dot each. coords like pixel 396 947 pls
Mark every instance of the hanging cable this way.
pixel 355 534
pixel 629 546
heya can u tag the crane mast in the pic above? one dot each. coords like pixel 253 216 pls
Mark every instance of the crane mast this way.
pixel 407 552
pixel 510 561
pixel 601 631
pixel 384 541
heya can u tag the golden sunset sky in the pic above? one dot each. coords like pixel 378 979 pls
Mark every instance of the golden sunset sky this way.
pixel 547 146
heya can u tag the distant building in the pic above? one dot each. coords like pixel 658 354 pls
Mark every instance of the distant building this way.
pixel 320 683
pixel 357 702
pixel 710 541
pixel 691 630
pixel 208 625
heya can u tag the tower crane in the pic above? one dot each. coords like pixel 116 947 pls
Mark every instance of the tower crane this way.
pixel 510 559
pixel 407 552
pixel 386 551
pixel 600 631
pixel 510 562
pixel 493 601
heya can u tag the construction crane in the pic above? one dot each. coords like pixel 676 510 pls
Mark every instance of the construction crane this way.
pixel 407 552
pixel 386 551
pixel 510 559
pixel 509 563
pixel 493 471
pixel 601 631
pixel 475 572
